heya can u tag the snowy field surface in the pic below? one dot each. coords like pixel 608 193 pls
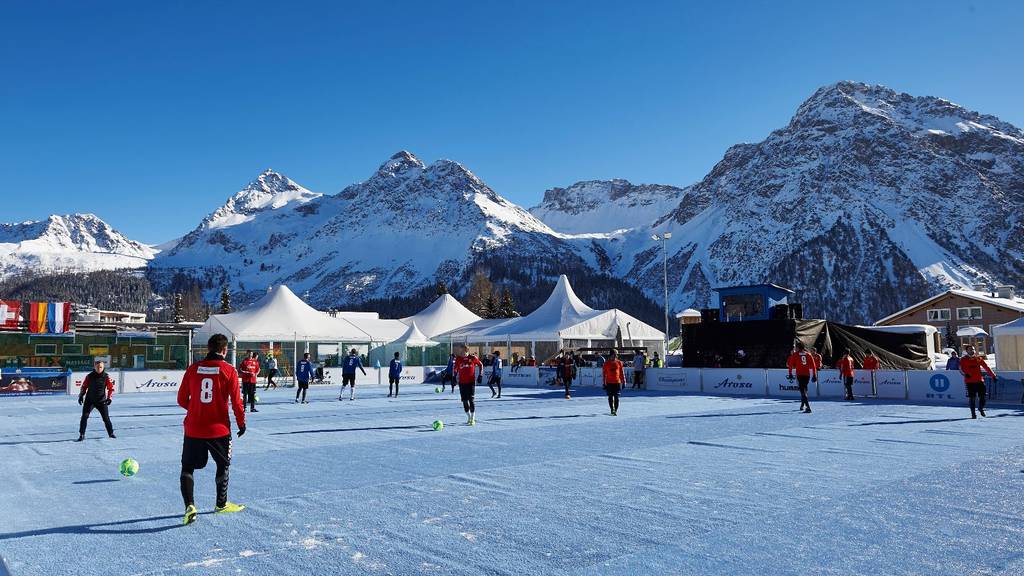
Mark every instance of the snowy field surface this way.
pixel 541 485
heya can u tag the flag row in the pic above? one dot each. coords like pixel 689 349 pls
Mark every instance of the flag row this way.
pixel 43 317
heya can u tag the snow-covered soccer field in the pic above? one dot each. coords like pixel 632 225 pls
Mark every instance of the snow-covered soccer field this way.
pixel 541 485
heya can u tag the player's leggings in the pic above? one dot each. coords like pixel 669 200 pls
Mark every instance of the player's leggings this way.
pixel 249 394
pixel 188 484
pixel 393 387
pixel 848 384
pixel 613 391
pixel 568 384
pixel 976 390
pixel 270 378
pixel 102 409
pixel 301 389
pixel 803 382
pixel 492 382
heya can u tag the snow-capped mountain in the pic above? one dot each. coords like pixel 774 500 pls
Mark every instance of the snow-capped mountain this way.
pixel 867 201
pixel 407 226
pixel 73 242
pixel 596 206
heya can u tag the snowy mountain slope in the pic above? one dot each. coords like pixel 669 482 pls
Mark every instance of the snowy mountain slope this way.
pixel 407 226
pixel 73 242
pixel 605 205
pixel 869 200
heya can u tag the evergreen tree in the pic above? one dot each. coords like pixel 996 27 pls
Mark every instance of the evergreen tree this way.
pixel 440 289
pixel 507 307
pixel 480 289
pixel 491 309
pixel 179 310
pixel 225 300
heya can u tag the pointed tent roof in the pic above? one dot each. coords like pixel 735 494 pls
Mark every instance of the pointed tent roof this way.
pixel 1010 328
pixel 562 315
pixel 280 315
pixel 414 337
pixel 443 315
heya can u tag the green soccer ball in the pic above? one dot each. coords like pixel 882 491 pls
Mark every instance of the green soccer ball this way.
pixel 437 390
pixel 438 426
pixel 256 398
pixel 129 467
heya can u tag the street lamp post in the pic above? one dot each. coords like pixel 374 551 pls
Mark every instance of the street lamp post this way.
pixel 664 261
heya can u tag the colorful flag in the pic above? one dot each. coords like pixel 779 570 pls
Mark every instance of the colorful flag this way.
pixel 10 313
pixel 58 317
pixel 37 312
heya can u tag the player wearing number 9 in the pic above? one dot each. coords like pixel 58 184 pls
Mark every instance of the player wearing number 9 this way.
pixel 207 389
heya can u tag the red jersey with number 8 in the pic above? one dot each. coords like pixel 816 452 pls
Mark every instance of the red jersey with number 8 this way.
pixel 206 390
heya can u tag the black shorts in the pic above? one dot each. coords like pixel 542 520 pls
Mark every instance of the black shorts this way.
pixel 803 381
pixel 975 389
pixel 196 451
pixel 467 391
pixel 248 388
pixel 613 389
pixel 638 376
pixel 303 385
pixel 347 379
pixel 393 380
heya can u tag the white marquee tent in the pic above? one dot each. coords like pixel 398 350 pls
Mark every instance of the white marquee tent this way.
pixel 1009 340
pixel 564 320
pixel 415 348
pixel 282 317
pixel 443 315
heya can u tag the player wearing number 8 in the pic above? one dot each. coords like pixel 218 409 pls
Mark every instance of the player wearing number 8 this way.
pixel 207 389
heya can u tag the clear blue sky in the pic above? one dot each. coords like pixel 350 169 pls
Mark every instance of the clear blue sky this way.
pixel 150 114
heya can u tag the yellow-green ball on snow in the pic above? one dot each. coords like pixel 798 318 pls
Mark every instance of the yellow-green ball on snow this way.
pixel 129 467
pixel 437 390
pixel 438 425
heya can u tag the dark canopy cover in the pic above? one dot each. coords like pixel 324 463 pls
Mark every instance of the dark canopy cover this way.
pixel 767 344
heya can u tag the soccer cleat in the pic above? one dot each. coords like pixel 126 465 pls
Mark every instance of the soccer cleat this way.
pixel 254 410
pixel 808 410
pixel 982 412
pixel 190 514
pixel 111 435
pixel 472 420
pixel 228 507
pixel 81 437
pixel 340 398
pixel 296 400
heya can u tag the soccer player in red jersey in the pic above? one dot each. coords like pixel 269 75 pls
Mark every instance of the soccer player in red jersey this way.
pixel 250 369
pixel 468 373
pixel 845 367
pixel 803 363
pixel 971 366
pixel 207 389
pixel 614 378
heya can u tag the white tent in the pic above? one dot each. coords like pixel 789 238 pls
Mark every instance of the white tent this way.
pixel 277 317
pixel 414 337
pixel 1009 340
pixel 564 319
pixel 443 315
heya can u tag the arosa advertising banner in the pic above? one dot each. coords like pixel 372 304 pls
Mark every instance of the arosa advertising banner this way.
pixel 737 381
pixel 33 381
pixel 522 376
pixel 151 381
pixel 939 386
pixel 682 379
pixel 891 384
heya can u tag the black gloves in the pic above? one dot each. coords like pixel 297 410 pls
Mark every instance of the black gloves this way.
pixel 815 379
pixel 107 401
pixel 479 379
pixel 241 430
pixel 81 400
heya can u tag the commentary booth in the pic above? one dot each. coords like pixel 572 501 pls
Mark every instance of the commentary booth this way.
pixel 562 321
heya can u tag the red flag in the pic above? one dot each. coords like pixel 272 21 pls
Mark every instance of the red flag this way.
pixel 10 313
